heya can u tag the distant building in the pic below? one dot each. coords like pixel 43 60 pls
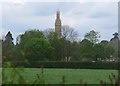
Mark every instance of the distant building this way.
pixel 58 24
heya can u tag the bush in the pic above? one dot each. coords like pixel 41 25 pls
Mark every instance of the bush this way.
pixel 75 65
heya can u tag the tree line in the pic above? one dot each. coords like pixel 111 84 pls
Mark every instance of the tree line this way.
pixel 36 45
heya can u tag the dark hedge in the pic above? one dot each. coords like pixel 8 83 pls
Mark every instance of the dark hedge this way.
pixel 74 65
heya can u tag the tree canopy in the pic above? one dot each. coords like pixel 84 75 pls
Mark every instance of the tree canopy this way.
pixel 36 45
pixel 92 36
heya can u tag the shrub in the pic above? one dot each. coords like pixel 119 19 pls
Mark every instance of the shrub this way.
pixel 75 65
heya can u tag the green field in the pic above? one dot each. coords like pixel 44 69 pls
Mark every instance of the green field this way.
pixel 72 76
pixel 0 76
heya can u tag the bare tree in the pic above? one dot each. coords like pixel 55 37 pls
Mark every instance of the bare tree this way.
pixel 68 33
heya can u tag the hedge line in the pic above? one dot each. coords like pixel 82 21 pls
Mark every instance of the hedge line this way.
pixel 75 65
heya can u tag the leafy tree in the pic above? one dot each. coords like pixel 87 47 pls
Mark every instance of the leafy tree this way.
pixel 21 39
pixel 56 43
pixel 62 46
pixel 74 50
pixel 109 50
pixel 99 51
pixel 103 50
pixel 38 49
pixel 87 50
pixel 92 36
pixel 114 42
pixel 7 46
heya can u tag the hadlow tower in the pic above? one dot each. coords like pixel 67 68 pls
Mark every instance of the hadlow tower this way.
pixel 58 24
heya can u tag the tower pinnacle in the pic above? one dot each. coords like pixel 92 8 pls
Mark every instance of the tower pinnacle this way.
pixel 58 24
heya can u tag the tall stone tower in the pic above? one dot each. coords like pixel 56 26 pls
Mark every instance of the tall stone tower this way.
pixel 58 24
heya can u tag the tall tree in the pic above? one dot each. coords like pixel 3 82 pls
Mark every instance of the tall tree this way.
pixel 56 43
pixel 23 39
pixel 28 35
pixel 38 49
pixel 69 35
pixel 92 36
pixel 103 50
pixel 7 47
pixel 87 51
pixel 99 51
pixel 114 42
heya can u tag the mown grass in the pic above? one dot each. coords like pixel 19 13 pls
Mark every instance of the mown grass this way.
pixel 0 76
pixel 72 76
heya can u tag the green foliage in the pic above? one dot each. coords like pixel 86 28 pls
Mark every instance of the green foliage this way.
pixel 87 49
pixel 21 39
pixel 92 36
pixel 62 46
pixel 38 49
pixel 103 51
pixel 74 51
pixel 109 50
pixel 35 45
pixel 99 51
pixel 7 47
pixel 56 44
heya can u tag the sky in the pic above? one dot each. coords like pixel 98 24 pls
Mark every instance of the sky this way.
pixel 82 16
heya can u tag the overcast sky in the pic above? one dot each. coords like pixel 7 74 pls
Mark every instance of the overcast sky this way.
pixel 18 17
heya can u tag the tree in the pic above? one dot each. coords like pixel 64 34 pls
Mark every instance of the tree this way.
pixel 62 46
pixel 116 35
pixel 114 42
pixel 68 37
pixel 21 39
pixel 103 50
pixel 38 49
pixel 49 33
pixel 69 34
pixel 109 51
pixel 86 50
pixel 92 36
pixel 56 43
pixel 7 46
pixel 75 50
pixel 99 51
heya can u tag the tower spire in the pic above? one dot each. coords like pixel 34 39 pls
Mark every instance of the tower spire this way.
pixel 58 14
pixel 58 24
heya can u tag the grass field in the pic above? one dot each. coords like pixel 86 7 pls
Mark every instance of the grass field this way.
pixel 72 76
pixel 0 76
